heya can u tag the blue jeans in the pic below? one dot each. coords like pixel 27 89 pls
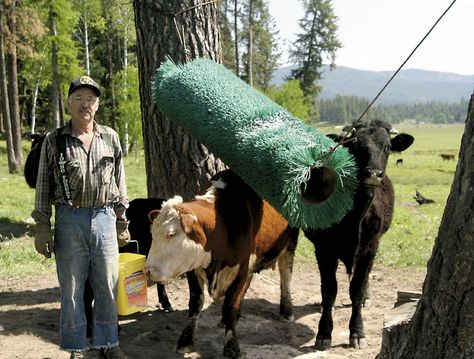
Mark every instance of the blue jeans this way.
pixel 86 246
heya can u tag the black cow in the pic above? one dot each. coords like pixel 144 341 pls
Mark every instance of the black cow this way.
pixel 139 228
pixel 354 240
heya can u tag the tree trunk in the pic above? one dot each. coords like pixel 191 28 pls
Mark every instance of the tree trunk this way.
pixel 111 84
pixel 86 46
pixel 182 30
pixel 13 89
pixel 54 70
pixel 110 74
pixel 443 323
pixel 236 37
pixel 4 97
pixel 250 46
pixel 126 144
pixel 62 110
pixel 34 101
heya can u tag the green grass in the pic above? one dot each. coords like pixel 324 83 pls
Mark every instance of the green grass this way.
pixel 409 241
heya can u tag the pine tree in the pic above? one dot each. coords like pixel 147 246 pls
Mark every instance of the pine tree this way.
pixel 226 10
pixel 90 18
pixel 316 42
pixel 261 41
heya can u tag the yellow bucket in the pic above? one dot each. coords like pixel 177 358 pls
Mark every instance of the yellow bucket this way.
pixel 132 284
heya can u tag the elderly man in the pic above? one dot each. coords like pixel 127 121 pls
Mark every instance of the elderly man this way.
pixel 81 174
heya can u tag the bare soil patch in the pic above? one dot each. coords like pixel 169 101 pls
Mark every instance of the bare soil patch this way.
pixel 29 317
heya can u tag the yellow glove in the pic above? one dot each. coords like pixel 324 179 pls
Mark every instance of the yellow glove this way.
pixel 44 242
pixel 123 235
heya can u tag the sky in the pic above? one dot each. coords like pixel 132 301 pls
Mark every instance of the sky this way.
pixel 380 34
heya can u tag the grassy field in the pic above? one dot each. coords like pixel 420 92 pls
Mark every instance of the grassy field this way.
pixel 408 243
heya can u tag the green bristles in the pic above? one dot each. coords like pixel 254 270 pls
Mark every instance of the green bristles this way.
pixel 263 143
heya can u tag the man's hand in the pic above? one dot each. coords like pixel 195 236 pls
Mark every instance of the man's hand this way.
pixel 44 242
pixel 123 235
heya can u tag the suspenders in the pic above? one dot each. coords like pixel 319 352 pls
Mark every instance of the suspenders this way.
pixel 61 158
pixel 61 146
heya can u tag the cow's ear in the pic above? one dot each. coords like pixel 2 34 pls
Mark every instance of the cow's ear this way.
pixel 193 229
pixel 187 222
pixel 401 142
pixel 153 214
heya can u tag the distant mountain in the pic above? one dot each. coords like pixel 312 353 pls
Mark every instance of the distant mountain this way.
pixel 409 86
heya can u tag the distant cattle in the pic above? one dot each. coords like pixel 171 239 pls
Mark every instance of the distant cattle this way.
pixel 399 161
pixel 422 199
pixel 447 156
pixel 354 240
pixel 221 239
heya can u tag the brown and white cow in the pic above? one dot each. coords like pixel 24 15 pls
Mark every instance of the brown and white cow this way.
pixel 220 240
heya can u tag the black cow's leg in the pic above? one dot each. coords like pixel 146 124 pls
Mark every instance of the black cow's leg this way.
pixel 327 268
pixel 88 298
pixel 163 298
pixel 196 302
pixel 357 292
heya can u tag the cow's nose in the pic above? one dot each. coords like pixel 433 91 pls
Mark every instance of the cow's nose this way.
pixel 374 177
pixel 147 273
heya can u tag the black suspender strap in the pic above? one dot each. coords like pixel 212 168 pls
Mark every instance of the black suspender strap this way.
pixel 61 147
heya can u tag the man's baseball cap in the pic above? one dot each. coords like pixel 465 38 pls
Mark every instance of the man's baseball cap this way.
pixel 84 81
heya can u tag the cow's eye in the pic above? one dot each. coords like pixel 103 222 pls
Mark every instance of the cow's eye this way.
pixel 170 234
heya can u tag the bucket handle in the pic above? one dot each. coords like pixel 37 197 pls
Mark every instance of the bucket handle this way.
pixel 136 242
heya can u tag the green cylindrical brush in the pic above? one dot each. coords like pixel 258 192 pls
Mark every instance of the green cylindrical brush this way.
pixel 299 171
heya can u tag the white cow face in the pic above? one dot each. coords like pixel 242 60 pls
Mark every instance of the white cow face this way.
pixel 172 252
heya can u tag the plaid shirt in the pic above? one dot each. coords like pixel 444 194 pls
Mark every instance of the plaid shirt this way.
pixel 96 178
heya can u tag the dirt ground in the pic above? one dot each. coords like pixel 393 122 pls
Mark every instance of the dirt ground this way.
pixel 29 316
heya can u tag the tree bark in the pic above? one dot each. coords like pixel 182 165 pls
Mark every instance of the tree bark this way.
pixel 110 87
pixel 54 70
pixel 13 88
pixel 443 323
pixel 5 103
pixel 182 30
pixel 236 37
pixel 86 45
pixel 250 45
